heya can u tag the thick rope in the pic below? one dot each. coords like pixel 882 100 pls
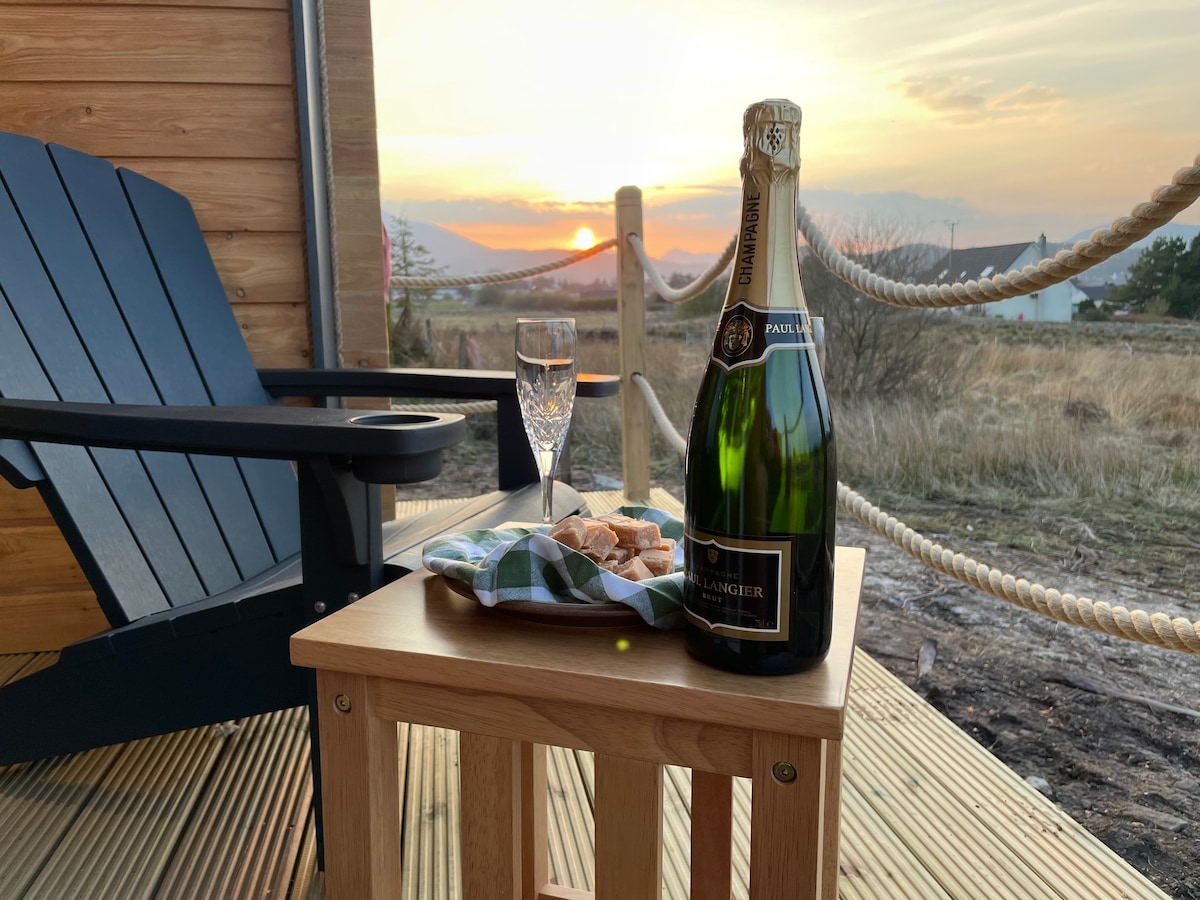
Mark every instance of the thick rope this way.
pixel 674 438
pixel 1165 203
pixel 330 188
pixel 443 281
pixel 692 289
pixel 1172 633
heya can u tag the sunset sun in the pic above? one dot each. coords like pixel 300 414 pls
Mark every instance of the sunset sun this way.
pixel 585 239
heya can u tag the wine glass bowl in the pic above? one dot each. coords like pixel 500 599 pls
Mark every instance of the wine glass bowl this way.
pixel 546 372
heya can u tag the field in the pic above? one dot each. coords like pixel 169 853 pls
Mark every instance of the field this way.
pixel 1068 454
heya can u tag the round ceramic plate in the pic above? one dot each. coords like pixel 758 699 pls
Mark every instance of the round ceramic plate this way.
pixel 577 615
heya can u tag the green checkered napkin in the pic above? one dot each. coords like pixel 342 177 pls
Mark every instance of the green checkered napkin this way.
pixel 526 564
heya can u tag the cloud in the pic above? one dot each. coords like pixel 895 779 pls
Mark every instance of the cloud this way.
pixel 704 221
pixel 1028 97
pixel 479 209
pixel 944 93
pixel 962 100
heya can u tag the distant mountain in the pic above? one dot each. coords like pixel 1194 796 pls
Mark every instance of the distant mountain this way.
pixel 461 256
pixel 677 257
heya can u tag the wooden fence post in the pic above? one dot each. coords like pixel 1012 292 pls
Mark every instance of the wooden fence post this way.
pixel 631 328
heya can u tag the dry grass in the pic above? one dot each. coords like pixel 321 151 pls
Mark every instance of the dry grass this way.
pixel 1041 414
pixel 1040 422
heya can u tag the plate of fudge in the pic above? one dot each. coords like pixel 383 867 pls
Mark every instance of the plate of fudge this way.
pixel 607 570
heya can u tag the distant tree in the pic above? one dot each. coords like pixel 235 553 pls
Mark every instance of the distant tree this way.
pixel 412 259
pixel 490 295
pixel 874 349
pixel 1165 279
pixel 409 258
pixel 1183 293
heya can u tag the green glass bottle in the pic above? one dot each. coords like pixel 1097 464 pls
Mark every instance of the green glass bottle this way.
pixel 760 477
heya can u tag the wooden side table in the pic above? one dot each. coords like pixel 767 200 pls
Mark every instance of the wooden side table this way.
pixel 417 651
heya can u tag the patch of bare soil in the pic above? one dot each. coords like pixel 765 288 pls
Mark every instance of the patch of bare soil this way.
pixel 1043 697
pixel 1039 695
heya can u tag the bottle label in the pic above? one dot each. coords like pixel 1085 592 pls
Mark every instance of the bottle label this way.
pixel 738 586
pixel 747 335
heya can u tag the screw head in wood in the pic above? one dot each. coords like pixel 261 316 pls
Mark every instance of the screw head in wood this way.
pixel 783 772
pixel 342 703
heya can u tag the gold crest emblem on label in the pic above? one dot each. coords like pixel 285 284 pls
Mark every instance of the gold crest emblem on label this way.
pixel 738 335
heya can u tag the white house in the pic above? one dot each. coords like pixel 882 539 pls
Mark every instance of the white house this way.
pixel 1051 304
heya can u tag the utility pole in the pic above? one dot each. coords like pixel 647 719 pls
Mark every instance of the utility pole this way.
pixel 950 258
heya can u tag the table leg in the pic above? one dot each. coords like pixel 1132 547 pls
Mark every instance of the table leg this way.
pixel 712 832
pixel 535 855
pixel 832 822
pixel 360 791
pixel 490 780
pixel 787 817
pixel 628 829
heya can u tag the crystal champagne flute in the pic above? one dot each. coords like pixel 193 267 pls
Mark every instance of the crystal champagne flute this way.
pixel 546 370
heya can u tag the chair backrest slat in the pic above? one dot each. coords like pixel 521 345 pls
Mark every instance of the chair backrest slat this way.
pixel 226 539
pixel 104 301
pixel 198 298
pixel 107 550
pixel 84 291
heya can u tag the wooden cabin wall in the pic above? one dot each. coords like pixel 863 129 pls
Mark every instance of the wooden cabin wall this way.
pixel 201 96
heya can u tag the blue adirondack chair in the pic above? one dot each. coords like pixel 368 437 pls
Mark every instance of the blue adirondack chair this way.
pixel 132 405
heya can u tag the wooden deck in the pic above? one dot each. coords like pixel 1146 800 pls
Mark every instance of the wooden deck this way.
pixel 225 812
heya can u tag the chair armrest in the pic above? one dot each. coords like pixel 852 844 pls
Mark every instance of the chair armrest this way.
pixel 381 447
pixel 463 384
pixel 516 462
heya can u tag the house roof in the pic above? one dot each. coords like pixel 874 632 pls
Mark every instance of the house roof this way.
pixel 1095 291
pixel 973 263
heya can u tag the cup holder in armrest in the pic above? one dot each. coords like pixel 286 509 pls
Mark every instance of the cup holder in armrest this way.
pixel 421 457
pixel 408 419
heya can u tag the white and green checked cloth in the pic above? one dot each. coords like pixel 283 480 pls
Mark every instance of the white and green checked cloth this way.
pixel 526 564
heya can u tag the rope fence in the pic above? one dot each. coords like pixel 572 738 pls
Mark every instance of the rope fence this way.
pixel 1167 201
pixel 691 290
pixel 444 281
pixel 1169 632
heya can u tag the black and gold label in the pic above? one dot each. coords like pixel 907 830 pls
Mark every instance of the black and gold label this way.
pixel 738 586
pixel 747 334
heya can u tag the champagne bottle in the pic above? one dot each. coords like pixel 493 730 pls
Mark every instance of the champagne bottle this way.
pixel 760 481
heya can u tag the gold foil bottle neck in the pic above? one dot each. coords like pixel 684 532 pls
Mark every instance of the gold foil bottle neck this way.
pixel 772 134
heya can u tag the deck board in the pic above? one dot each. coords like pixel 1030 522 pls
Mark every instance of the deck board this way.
pixel 225 812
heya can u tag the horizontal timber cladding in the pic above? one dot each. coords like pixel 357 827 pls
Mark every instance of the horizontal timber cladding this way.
pixel 34 551
pixel 276 331
pixel 207 4
pixel 91 43
pixel 45 600
pixel 232 194
pixel 259 268
pixel 201 96
pixel 133 119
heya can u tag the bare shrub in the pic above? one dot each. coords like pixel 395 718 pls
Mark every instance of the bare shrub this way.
pixel 874 350
pixel 993 432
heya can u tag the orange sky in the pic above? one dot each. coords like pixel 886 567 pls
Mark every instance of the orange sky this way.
pixel 514 124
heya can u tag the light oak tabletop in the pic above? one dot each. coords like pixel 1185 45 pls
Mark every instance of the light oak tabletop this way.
pixel 421 630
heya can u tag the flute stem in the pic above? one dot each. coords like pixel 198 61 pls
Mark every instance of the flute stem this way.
pixel 548 499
